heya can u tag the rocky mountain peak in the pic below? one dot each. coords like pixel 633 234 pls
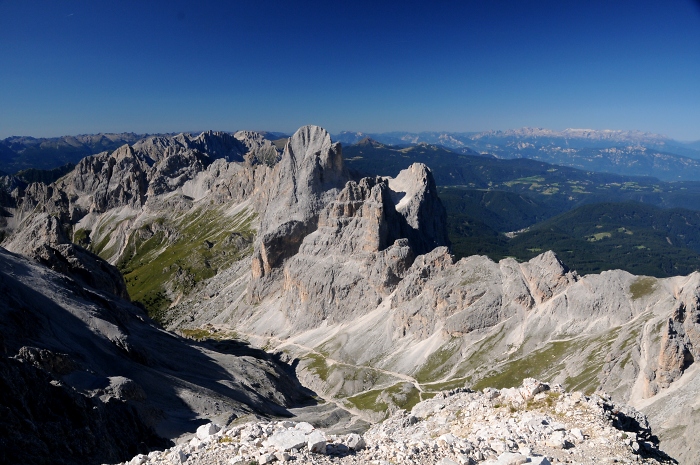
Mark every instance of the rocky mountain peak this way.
pixel 416 199
pixel 319 222
pixel 220 145
pixel 44 240
pixel 369 141
pixel 260 150
pixel 309 174
pixel 546 275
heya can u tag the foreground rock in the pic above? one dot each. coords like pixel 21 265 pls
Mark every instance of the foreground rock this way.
pixel 86 377
pixel 531 424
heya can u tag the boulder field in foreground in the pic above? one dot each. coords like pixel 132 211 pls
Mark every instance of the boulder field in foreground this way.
pixel 531 424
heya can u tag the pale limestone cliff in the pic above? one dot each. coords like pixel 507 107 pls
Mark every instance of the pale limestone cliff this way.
pixel 353 281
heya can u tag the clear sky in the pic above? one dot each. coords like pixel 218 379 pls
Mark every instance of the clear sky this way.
pixel 70 66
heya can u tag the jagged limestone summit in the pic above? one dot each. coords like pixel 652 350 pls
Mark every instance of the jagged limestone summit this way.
pixel 349 280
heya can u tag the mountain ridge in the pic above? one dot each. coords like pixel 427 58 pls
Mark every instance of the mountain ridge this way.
pixel 352 280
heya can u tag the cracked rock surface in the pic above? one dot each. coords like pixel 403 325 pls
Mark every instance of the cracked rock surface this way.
pixel 530 424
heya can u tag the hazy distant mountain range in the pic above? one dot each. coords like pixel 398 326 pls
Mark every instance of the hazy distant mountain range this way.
pixel 21 153
pixel 573 138
pixel 632 153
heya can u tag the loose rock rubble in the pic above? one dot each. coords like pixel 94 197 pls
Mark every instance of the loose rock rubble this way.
pixel 531 424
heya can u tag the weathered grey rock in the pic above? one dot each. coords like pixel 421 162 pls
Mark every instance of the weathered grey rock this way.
pixel 531 387
pixel 416 200
pixel 287 440
pixel 355 442
pixel 98 366
pixel 259 150
pixel 316 442
pixel 267 458
pixel 125 389
pixel 138 460
pixel 207 430
pixel 446 461
pixel 178 457
pixel 307 176
pixel 55 363
pixel 304 427
pixel 511 458
pixel 43 240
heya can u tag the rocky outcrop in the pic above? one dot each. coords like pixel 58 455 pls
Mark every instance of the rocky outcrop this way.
pixel 87 378
pixel 680 340
pixel 260 151
pixel 546 276
pixel 44 241
pixel 341 251
pixel 364 244
pixel 306 178
pixel 456 427
pixel 416 200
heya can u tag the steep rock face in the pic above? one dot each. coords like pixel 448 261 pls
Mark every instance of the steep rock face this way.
pixel 176 168
pixel 88 376
pixel 352 261
pixel 341 251
pixel 107 181
pixel 680 339
pixel 44 240
pixel 546 276
pixel 474 293
pixel 416 199
pixel 219 145
pixel 110 196
pixel 307 177
pixel 259 149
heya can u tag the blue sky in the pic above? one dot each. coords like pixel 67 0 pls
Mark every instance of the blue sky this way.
pixel 70 67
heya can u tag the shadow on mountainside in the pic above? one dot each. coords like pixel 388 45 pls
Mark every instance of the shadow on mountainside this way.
pixel 648 442
pixel 87 378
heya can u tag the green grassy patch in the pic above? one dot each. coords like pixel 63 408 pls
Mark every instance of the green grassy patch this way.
pixel 201 334
pixel 445 386
pixel 598 236
pixel 82 237
pixel 369 400
pixel 165 258
pixel 547 362
pixel 404 395
pixel 540 364
pixel 479 357
pixel 318 365
pixel 642 286
pixel 436 366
